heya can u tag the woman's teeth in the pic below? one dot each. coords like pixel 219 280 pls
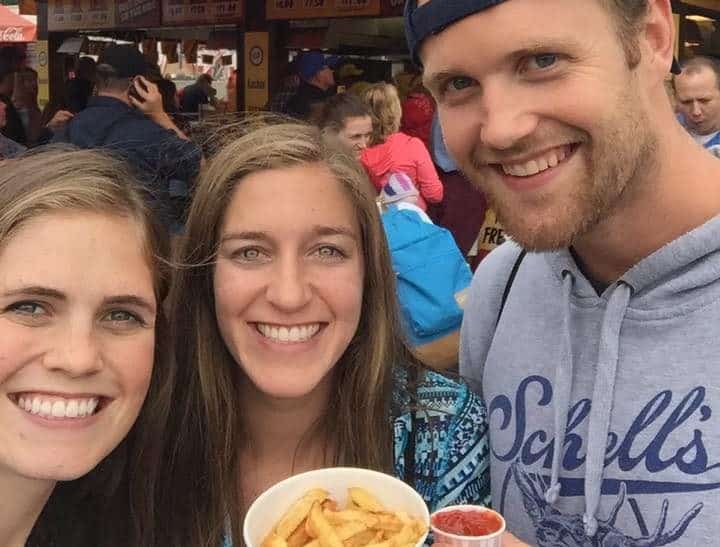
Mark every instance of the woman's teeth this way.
pixel 300 333
pixel 58 408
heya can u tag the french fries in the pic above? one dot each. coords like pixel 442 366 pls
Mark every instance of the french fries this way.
pixel 316 520
pixel 298 512
pixel 365 500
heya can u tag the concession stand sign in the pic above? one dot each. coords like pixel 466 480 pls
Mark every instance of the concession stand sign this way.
pixel 203 12
pixel 71 15
pixel 79 15
pixel 392 8
pixel 310 9
pixel 135 13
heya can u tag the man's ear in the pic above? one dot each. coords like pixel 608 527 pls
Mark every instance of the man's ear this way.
pixel 657 37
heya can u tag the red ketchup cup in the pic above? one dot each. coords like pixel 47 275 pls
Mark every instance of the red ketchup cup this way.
pixel 467 526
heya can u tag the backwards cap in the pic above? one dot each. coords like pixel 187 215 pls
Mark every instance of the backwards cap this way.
pixel 436 15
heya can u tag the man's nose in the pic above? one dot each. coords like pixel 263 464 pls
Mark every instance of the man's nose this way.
pixel 506 118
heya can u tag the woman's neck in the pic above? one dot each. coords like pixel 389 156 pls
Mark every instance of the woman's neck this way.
pixel 277 426
pixel 20 506
pixel 284 438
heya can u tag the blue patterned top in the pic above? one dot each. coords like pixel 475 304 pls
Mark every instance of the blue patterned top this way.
pixel 451 442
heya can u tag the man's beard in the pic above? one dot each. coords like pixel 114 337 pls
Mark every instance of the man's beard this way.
pixel 617 160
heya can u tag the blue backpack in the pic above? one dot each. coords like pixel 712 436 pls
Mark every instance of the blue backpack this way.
pixel 431 275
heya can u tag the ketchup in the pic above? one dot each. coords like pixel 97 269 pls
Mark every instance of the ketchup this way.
pixel 467 523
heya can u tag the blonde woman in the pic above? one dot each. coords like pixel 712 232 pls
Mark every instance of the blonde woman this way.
pixel 394 151
pixel 81 282
pixel 288 345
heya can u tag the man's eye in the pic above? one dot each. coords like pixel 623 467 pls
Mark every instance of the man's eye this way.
pixel 542 61
pixel 459 83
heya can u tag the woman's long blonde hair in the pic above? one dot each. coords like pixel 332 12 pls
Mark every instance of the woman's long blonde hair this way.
pixel 386 109
pixel 113 504
pixel 205 439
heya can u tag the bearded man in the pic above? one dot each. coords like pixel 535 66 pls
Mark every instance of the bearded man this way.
pixel 594 334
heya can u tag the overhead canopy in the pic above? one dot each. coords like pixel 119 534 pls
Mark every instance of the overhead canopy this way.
pixel 14 28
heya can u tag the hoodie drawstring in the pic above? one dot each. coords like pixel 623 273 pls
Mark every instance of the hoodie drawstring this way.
pixel 599 423
pixel 602 402
pixel 563 387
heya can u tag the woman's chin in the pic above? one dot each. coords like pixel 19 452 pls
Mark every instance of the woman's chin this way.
pixel 288 392
pixel 57 472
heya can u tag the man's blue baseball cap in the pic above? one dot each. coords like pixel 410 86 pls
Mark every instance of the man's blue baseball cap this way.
pixel 311 62
pixel 435 16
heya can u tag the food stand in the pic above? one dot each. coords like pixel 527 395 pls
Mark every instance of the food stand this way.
pixel 171 33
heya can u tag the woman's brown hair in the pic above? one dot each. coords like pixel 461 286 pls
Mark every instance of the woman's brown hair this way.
pixel 110 506
pixel 200 488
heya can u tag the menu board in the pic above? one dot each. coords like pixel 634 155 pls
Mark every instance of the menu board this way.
pixel 392 8
pixel 134 13
pixel 102 14
pixel 200 12
pixel 80 14
pixel 310 9
pixel 28 7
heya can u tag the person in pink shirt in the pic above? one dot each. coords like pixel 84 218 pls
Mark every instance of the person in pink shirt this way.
pixel 395 151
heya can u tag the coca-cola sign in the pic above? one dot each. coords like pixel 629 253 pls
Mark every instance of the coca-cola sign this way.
pixel 12 34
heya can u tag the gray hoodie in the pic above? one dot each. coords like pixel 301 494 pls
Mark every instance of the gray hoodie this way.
pixel 604 410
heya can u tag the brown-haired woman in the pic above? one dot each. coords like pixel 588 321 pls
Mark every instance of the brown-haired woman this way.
pixel 81 282
pixel 395 151
pixel 288 348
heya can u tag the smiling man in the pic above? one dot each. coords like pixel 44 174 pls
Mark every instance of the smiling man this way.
pixel 697 89
pixel 597 350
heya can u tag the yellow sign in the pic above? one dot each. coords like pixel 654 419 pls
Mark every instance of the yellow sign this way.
pixel 491 234
pixel 80 14
pixel 38 59
pixel 256 70
pixel 310 9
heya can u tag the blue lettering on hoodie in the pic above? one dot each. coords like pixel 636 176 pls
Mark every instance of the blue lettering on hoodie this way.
pixel 531 447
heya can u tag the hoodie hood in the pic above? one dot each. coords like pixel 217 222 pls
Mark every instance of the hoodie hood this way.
pixel 675 280
pixel 379 160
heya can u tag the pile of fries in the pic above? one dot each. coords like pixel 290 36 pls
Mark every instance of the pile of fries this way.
pixel 315 520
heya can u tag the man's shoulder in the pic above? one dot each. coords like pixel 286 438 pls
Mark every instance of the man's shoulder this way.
pixel 141 128
pixel 492 275
pixel 714 141
pixel 482 308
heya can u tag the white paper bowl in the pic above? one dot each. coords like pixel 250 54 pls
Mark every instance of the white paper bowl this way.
pixel 272 504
